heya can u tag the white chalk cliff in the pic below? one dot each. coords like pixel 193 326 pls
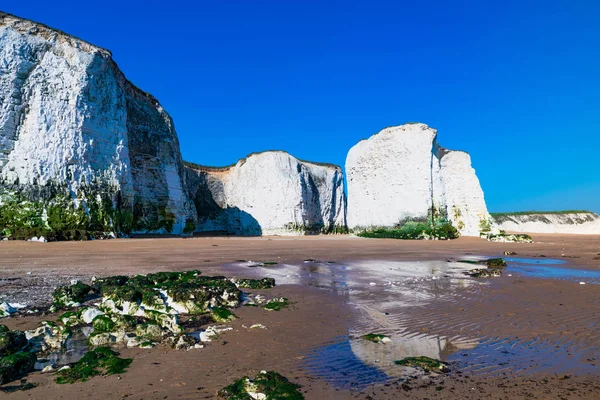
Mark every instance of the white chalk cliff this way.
pixel 572 223
pixel 270 193
pixel 70 119
pixel 400 173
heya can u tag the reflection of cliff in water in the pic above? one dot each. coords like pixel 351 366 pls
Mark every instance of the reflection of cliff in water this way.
pixel 401 346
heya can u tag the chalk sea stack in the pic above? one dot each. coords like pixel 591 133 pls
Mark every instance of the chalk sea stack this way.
pixel 402 173
pixel 73 127
pixel 268 193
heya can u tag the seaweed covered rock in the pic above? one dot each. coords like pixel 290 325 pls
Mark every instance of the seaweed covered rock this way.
pixel 11 341
pixel 69 319
pixel 150 331
pixel 16 365
pixel 222 315
pixel 103 323
pixel 99 339
pixel 424 363
pixel 101 361
pixel 49 336
pixel 169 293
pixel 484 272
pixel 276 304
pixel 184 342
pixel 496 263
pixel 266 385
pixel 68 296
pixel 509 238
pixel 264 283
pixel 88 314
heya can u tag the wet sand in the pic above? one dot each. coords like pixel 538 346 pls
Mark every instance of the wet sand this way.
pixel 527 321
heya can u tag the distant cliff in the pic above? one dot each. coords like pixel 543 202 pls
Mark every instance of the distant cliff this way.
pixel 268 193
pixel 402 173
pixel 579 222
pixel 79 144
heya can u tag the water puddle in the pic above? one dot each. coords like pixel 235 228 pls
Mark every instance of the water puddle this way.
pixel 549 268
pixel 75 348
pixel 385 292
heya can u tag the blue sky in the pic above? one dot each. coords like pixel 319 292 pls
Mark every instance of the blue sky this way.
pixel 514 83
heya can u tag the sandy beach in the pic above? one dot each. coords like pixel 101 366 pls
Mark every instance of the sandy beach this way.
pixel 525 334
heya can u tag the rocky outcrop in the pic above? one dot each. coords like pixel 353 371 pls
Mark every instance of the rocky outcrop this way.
pixel 268 193
pixel 73 127
pixel 578 222
pixel 402 173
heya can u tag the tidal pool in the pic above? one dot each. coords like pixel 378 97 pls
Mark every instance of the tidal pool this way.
pixel 551 269
pixel 383 292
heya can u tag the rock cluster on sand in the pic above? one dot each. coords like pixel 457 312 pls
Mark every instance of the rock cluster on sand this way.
pixel 269 193
pixel 401 173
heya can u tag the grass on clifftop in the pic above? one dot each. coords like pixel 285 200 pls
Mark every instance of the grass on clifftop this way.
pixel 505 214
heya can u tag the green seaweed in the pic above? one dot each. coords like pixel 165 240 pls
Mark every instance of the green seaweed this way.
pixel 222 315
pixel 69 318
pixel 11 341
pixel 273 385
pixel 15 365
pixel 103 323
pixel 276 304
pixel 101 361
pixel 149 331
pixel 496 263
pixel 484 272
pixel 424 363
pixel 65 296
pixel 264 283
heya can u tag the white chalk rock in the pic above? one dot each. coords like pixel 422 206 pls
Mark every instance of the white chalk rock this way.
pixel 575 223
pixel 270 193
pixel 69 118
pixel 6 309
pixel 89 314
pixel 47 369
pixel 400 172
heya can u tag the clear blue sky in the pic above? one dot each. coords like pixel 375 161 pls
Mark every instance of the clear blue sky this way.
pixel 514 83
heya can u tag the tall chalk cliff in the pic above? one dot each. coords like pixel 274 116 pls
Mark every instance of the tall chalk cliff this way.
pixel 270 193
pixel 72 126
pixel 401 173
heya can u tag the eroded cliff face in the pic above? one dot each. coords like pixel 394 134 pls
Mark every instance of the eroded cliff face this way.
pixel 270 193
pixel 73 128
pixel 402 173
pixel 571 223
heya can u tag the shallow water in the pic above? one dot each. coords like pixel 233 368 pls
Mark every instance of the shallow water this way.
pixel 550 269
pixel 75 348
pixel 383 292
